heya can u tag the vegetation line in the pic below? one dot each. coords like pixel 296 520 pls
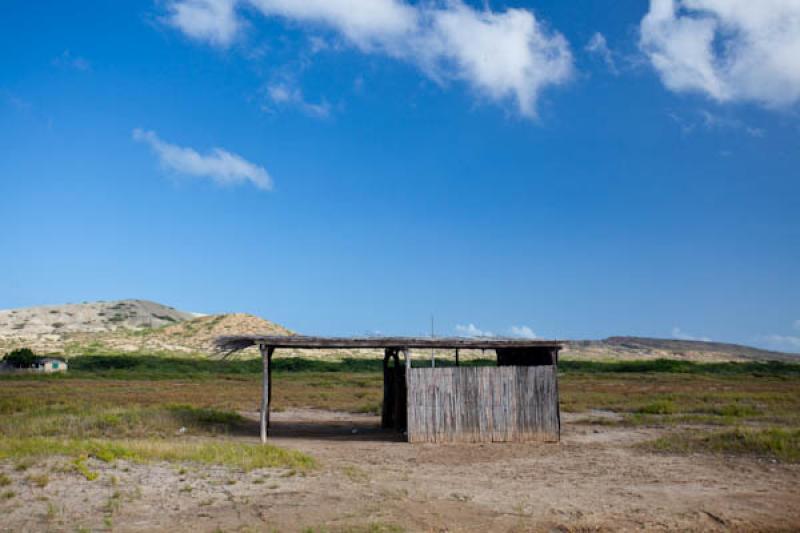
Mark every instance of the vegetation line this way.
pixel 239 455
pixel 157 367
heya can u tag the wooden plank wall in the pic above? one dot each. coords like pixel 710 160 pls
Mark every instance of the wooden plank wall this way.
pixel 483 404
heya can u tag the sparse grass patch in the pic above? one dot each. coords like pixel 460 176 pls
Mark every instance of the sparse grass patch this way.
pixel 659 407
pixel 601 421
pixel 113 503
pixel 4 480
pixel 23 465
pixel 369 409
pixel 39 480
pixel 372 527
pixel 74 420
pixel 52 511
pixel 226 453
pixel 355 473
pixel 80 467
pixel 735 410
pixel 674 399
pixel 777 443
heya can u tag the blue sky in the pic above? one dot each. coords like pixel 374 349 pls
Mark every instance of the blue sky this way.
pixel 569 169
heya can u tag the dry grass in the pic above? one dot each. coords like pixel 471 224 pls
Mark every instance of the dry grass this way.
pixel 355 392
pixel 647 399
pixel 170 410
pixel 221 452
pixel 135 420
pixel 762 412
pixel 773 443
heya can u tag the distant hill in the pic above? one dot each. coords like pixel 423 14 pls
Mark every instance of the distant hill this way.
pixel 88 317
pixel 140 326
pixel 628 348
pixel 124 326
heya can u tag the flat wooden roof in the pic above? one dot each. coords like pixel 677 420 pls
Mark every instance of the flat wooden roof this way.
pixel 240 342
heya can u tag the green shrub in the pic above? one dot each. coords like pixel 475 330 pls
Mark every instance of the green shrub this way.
pixel 23 357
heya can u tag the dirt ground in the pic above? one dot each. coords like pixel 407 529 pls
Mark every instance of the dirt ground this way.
pixel 369 480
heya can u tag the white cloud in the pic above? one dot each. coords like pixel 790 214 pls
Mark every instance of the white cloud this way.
pixel 220 165
pixel 284 94
pixel 508 55
pixel 677 333
pixel 522 331
pixel 728 49
pixel 214 21
pixel 69 61
pixel 781 342
pixel 502 55
pixel 367 24
pixel 597 45
pixel 470 330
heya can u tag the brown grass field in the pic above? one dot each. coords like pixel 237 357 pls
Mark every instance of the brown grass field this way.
pixel 655 450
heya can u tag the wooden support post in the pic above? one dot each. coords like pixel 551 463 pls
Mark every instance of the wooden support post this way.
pixel 387 407
pixel 408 416
pixel 269 396
pixel 266 356
pixel 457 357
pixel 398 394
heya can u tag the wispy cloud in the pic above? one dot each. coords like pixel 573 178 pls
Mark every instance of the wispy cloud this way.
pixel 598 46
pixel 285 94
pixel 781 342
pixel 215 21
pixel 69 61
pixel 15 101
pixel 789 343
pixel 677 333
pixel 470 330
pixel 223 167
pixel 705 120
pixel 501 55
pixel 727 50
pixel 716 122
pixel 523 332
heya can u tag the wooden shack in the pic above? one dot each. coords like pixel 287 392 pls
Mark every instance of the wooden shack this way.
pixel 516 400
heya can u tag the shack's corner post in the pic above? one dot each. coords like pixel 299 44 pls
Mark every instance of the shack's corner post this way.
pixel 266 359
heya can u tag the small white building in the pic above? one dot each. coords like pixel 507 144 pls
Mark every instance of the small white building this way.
pixel 48 365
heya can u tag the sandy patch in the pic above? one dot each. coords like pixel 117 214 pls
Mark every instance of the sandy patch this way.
pixel 593 479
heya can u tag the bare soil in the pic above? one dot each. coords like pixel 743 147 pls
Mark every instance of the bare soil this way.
pixel 595 479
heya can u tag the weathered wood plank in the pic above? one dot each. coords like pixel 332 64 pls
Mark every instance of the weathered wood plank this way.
pixel 487 404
